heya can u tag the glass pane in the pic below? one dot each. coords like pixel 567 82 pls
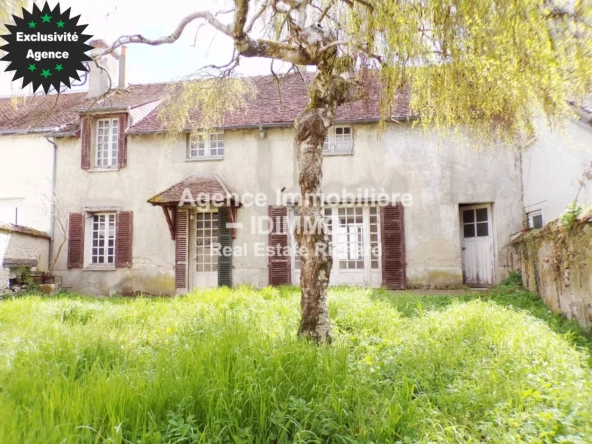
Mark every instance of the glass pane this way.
pixel 482 215
pixel 468 216
pixel 537 221
pixel 470 230
pixel 483 229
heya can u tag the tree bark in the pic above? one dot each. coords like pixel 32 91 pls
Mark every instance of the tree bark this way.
pixel 316 261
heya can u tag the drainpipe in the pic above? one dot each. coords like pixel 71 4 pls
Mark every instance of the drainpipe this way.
pixel 53 190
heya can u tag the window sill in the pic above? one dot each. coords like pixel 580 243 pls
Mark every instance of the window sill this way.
pixel 99 268
pixel 338 153
pixel 203 159
pixel 103 170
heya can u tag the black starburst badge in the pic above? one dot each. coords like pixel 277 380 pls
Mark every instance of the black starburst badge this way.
pixel 46 47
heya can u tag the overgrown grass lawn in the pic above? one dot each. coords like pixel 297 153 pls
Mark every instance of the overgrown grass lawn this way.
pixel 224 366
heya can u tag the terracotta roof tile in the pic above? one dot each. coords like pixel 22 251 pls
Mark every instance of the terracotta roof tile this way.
pixel 12 228
pixel 269 107
pixel 40 112
pixel 206 187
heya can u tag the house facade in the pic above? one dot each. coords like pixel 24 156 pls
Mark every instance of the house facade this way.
pixel 404 208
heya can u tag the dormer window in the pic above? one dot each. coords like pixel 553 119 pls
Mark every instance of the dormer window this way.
pixel 339 140
pixel 107 143
pixel 205 146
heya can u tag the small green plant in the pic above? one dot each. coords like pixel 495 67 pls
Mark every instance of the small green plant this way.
pixel 514 279
pixel 181 428
pixel 571 214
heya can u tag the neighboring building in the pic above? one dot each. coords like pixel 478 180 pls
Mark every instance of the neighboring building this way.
pixel 553 166
pixel 21 247
pixel 120 180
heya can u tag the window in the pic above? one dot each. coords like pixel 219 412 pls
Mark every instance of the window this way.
pixel 475 223
pixel 103 239
pixel 207 242
pixel 338 141
pixel 535 219
pixel 107 143
pixel 207 146
pixel 374 246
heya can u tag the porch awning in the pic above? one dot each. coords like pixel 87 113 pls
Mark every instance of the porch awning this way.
pixel 199 188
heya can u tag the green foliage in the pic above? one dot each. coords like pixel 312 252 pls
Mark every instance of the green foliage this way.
pixel 223 365
pixel 492 65
pixel 203 104
pixel 571 214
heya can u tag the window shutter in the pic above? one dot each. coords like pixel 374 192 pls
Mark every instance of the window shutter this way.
pixel 181 250
pixel 393 246
pixel 124 239
pixel 76 240
pixel 85 134
pixel 225 240
pixel 122 142
pixel 280 272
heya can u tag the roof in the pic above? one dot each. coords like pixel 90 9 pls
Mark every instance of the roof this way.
pixel 203 188
pixel 12 228
pixel 58 113
pixel 275 105
pixel 270 107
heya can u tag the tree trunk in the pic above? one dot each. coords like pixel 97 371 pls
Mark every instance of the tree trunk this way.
pixel 316 261
pixel 326 92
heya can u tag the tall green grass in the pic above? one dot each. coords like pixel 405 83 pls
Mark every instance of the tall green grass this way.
pixel 224 366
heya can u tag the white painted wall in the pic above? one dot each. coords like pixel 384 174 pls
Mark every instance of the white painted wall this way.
pixel 438 173
pixel 552 167
pixel 26 163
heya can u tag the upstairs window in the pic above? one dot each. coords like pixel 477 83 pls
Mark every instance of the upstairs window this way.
pixel 339 140
pixel 207 146
pixel 107 143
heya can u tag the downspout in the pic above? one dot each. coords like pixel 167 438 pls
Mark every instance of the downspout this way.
pixel 52 210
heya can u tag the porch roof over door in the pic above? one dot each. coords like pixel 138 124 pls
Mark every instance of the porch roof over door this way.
pixel 201 188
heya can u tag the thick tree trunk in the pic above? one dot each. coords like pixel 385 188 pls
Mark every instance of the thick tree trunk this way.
pixel 326 92
pixel 316 262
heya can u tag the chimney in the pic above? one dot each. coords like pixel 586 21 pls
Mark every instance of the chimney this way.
pixel 122 60
pixel 98 78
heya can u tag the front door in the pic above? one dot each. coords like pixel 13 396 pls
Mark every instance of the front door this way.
pixel 477 245
pixel 205 239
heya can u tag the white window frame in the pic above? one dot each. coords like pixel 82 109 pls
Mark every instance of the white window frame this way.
pixel 112 148
pixel 337 138
pixel 207 139
pixel 531 215
pixel 90 239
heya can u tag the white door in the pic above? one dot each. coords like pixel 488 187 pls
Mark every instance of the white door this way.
pixel 354 237
pixel 205 257
pixel 477 245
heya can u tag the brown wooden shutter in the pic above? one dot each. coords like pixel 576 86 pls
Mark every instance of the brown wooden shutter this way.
pixel 181 250
pixel 393 246
pixel 124 239
pixel 280 272
pixel 122 142
pixel 85 137
pixel 76 240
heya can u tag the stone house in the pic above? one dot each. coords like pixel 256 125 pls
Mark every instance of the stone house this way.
pixel 404 208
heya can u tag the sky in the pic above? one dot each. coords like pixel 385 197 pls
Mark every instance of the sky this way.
pixel 109 19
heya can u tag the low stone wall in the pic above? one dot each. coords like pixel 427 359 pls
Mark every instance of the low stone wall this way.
pixel 557 263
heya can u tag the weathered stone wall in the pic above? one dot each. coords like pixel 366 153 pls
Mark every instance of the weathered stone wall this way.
pixel 556 263
pixel 4 272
